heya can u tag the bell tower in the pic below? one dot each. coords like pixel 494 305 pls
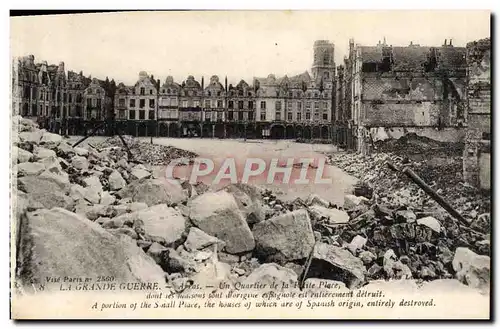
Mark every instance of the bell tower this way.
pixel 324 63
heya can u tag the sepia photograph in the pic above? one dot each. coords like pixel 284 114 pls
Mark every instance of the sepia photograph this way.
pixel 286 164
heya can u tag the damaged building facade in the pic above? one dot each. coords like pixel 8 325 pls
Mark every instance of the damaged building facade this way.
pixel 478 133
pixel 385 91
pixel 443 93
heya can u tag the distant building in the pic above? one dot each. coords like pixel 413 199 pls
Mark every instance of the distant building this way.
pixel 285 107
pixel 54 97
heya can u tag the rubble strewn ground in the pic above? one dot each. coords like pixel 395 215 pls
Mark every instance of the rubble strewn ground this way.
pixel 143 152
pixel 98 202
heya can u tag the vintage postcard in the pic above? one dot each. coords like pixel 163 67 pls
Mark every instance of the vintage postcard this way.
pixel 251 165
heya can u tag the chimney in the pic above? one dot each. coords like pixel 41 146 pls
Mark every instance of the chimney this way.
pixel 202 82
pixel 450 42
pixel 445 41
pixel 225 83
pixel 384 41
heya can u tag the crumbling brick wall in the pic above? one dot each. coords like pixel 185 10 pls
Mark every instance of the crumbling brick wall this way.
pixel 477 146
pixel 412 99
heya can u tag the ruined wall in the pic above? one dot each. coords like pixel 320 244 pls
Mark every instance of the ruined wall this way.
pixel 412 100
pixel 443 135
pixel 407 114
pixel 478 146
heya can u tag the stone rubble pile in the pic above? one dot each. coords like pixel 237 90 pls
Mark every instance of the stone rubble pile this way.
pixel 83 212
pixel 144 152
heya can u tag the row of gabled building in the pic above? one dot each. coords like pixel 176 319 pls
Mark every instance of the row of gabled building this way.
pixel 299 105
pixel 46 92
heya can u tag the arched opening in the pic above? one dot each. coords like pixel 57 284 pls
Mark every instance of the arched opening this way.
pixel 324 132
pixel 152 126
pixel 163 129
pixel 219 130
pixel 315 132
pixel 207 131
pixel 277 132
pixel 173 130
pixel 307 132
pixel 299 131
pixel 141 130
pixel 230 131
pixel 290 132
pixel 251 133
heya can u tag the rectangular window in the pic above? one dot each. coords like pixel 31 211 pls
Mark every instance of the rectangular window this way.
pixel 316 116
pixel 142 103
pixel 94 102
pixel 250 105
pixel 278 115
pixel 316 106
pixel 240 105
pixel 184 103
pixel 151 91
pixel 299 116
pixel 132 103
pixel 250 116
pixel 196 103
pixel 121 102
pixel 131 114
pixel 142 114
pixel 230 104
pixel 240 116
pixel 151 114
pixel 278 105
pixel 262 116
pixel 263 105
pixel 308 115
pixel 290 116
pixel 121 114
pixel 325 116
pixel 142 90
pixel 308 105
pixel 299 105
pixel 230 115
pixel 207 104
pixel 289 105
pixel 219 104
pixel 151 103
pixel 99 103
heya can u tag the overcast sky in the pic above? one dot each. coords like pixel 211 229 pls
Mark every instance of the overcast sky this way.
pixel 238 44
